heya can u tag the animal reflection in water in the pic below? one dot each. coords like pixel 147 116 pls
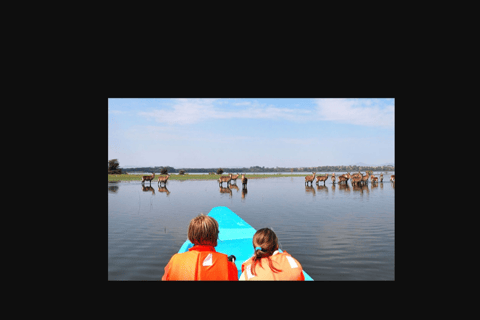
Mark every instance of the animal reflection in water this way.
pixel 344 187
pixel 164 189
pixel 309 189
pixel 112 189
pixel 226 190
pixel 360 188
pixel 160 189
pixel 147 189
pixel 322 189
pixel 231 187
pixel 244 192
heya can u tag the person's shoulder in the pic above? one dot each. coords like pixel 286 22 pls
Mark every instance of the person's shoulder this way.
pixel 291 259
pixel 248 261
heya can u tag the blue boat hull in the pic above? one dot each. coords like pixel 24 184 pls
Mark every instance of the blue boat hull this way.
pixel 235 237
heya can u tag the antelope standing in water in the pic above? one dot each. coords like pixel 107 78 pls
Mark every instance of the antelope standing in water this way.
pixel 324 178
pixel 223 179
pixel 244 181
pixel 234 178
pixel 381 177
pixel 148 178
pixel 365 178
pixel 333 178
pixel 356 179
pixel 163 179
pixel 344 178
pixel 310 179
pixel 374 179
pixel 392 178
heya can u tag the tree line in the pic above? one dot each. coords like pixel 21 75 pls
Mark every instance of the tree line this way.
pixel 169 169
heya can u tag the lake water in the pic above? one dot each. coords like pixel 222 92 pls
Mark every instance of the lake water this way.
pixel 336 232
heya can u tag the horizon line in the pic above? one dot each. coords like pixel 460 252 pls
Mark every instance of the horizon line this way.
pixel 327 165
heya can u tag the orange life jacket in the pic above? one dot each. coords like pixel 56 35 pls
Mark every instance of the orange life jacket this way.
pixel 291 268
pixel 200 263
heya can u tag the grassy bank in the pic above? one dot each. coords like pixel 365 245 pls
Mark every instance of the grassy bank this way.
pixel 134 177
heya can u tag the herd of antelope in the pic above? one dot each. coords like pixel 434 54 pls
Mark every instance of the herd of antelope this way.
pixel 228 179
pixel 356 178
pixel 160 179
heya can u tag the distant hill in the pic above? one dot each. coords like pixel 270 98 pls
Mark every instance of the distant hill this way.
pixel 363 164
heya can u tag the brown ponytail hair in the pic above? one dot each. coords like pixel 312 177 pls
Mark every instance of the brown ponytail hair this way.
pixel 267 240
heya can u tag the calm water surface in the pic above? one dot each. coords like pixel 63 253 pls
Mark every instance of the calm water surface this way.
pixel 335 232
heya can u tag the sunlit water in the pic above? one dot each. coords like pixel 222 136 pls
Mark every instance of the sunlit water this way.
pixel 336 232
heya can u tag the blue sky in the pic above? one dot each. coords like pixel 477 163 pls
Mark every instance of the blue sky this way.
pixel 214 133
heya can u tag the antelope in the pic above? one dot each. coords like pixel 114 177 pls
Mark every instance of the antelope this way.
pixel 374 179
pixel 163 179
pixel 223 179
pixel 234 178
pixel 365 178
pixel 381 177
pixel 333 178
pixel 244 182
pixel 324 178
pixel 357 174
pixel 356 179
pixel 344 177
pixel 148 178
pixel 392 178
pixel 310 179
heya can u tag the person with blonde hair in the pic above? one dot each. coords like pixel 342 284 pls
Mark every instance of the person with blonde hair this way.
pixel 201 262
pixel 267 263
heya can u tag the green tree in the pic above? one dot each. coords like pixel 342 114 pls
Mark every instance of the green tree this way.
pixel 113 164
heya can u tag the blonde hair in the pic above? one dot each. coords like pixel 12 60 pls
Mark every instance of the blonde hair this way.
pixel 203 230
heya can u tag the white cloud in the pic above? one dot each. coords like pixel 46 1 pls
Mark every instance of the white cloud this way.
pixel 366 112
pixel 185 111
pixel 189 111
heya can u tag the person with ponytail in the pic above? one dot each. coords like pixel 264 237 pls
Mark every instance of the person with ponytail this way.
pixel 267 263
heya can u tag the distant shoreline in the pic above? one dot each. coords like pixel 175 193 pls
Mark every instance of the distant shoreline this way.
pixel 259 170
